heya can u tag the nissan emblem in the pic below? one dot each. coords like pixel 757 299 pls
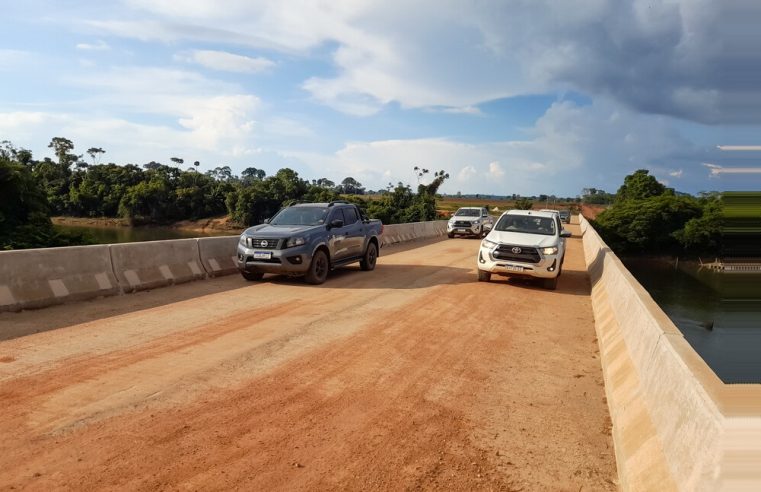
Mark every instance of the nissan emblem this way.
pixel 263 244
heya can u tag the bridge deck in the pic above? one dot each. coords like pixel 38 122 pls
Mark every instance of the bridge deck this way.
pixel 414 375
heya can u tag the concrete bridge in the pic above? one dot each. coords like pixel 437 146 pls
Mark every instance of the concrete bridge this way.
pixel 146 366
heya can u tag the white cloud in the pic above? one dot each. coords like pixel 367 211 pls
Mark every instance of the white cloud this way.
pixel 495 170
pixel 687 58
pixel 570 147
pixel 676 174
pixel 214 113
pixel 463 110
pixel 224 61
pixel 100 45
pixel 466 174
pixel 716 170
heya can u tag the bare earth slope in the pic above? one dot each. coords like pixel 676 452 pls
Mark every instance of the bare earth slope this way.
pixel 400 378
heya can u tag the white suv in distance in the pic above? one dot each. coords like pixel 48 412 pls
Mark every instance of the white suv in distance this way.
pixel 470 221
pixel 524 243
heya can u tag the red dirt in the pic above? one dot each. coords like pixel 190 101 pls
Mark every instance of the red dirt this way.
pixel 414 376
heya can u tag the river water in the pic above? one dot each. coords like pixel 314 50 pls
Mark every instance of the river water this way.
pixel 112 235
pixel 718 313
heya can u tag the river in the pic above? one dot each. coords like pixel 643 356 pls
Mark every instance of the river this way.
pixel 119 234
pixel 718 313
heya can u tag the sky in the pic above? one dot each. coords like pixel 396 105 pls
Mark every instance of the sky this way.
pixel 509 97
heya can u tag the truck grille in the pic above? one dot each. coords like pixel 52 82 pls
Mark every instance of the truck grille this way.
pixel 462 223
pixel 263 260
pixel 261 243
pixel 526 254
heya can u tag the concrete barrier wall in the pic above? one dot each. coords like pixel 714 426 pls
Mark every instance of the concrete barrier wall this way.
pixel 146 265
pixel 399 233
pixel 676 426
pixel 37 278
pixel 218 255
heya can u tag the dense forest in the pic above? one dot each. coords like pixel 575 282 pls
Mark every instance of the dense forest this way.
pixel 155 193
pixel 648 218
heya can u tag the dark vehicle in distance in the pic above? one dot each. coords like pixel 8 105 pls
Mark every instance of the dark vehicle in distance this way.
pixel 565 216
pixel 309 240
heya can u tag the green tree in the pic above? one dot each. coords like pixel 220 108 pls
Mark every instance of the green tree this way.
pixel 652 225
pixel 523 204
pixel 24 219
pixel 638 186
pixel 95 154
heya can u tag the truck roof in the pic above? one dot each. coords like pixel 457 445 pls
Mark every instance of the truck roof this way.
pixel 320 204
pixel 534 213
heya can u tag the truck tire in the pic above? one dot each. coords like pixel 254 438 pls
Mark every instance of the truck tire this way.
pixel 252 276
pixel 367 262
pixel 484 276
pixel 550 283
pixel 318 269
pixel 451 235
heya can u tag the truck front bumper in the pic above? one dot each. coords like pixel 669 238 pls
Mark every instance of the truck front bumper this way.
pixel 548 266
pixel 472 230
pixel 290 261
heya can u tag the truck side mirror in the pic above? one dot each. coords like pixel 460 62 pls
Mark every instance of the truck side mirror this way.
pixel 565 233
pixel 266 221
pixel 337 223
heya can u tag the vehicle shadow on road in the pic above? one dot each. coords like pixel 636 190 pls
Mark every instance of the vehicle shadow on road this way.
pixel 388 276
pixel 572 282
pixel 27 322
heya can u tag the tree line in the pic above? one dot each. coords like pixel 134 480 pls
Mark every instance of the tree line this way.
pixel 157 193
pixel 646 217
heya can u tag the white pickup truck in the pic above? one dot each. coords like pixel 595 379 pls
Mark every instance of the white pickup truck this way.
pixel 524 243
pixel 470 221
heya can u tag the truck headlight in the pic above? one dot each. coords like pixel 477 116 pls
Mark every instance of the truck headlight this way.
pixel 550 251
pixel 242 240
pixel 294 241
pixel 476 222
pixel 488 244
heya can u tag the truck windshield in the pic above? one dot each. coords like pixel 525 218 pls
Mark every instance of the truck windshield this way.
pixel 300 216
pixel 468 212
pixel 528 224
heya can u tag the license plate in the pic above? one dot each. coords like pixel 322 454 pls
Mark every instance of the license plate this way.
pixel 462 230
pixel 512 268
pixel 262 255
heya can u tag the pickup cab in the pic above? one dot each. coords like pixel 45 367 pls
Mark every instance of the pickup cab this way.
pixel 309 240
pixel 470 221
pixel 524 243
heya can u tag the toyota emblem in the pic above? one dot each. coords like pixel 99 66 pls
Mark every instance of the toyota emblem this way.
pixel 263 244
pixel 516 250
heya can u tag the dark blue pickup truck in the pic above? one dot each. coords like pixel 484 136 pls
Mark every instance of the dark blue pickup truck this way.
pixel 310 239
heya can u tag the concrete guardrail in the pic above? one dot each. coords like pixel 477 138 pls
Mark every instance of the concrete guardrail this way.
pixel 41 277
pixel 146 265
pixel 676 425
pixel 35 278
pixel 400 233
pixel 218 255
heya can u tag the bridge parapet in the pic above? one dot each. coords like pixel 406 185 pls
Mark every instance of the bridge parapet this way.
pixel 54 276
pixel 35 278
pixel 676 425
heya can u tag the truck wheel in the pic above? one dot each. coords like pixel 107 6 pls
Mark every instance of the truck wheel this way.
pixel 550 283
pixel 318 269
pixel 451 235
pixel 251 276
pixel 484 276
pixel 367 262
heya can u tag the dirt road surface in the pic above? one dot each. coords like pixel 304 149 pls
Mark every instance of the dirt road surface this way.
pixel 414 376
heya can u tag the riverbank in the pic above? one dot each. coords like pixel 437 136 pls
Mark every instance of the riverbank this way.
pixel 206 226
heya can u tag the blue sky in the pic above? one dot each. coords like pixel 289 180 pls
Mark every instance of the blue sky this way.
pixel 508 96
